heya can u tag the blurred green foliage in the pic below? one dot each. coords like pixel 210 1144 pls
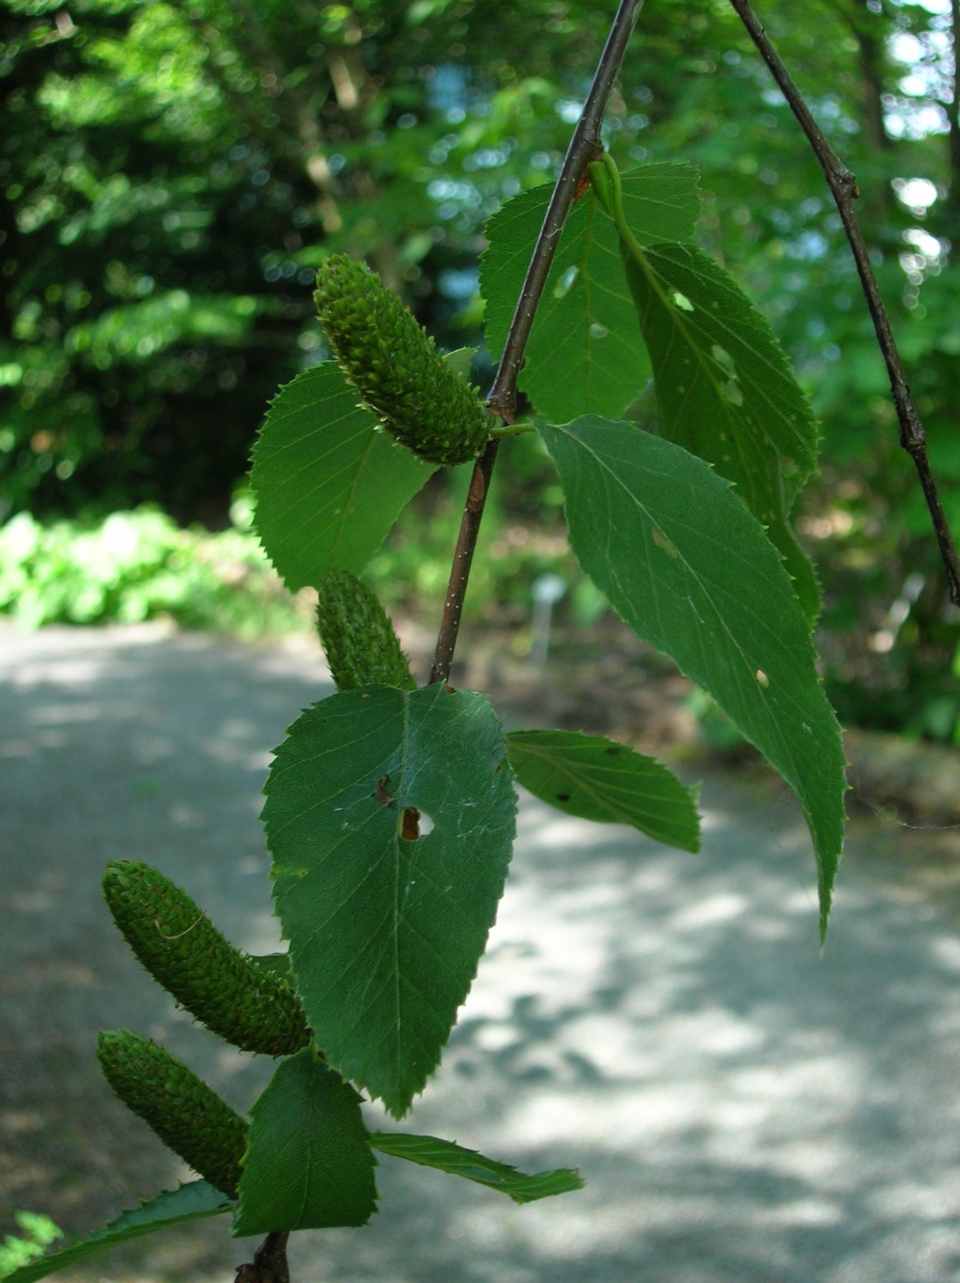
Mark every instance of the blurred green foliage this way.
pixel 522 537
pixel 139 565
pixel 173 173
pixel 38 1233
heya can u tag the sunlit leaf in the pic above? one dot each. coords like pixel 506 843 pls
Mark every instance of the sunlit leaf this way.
pixel 584 354
pixel 329 482
pixel 596 779
pixel 452 1158
pixel 725 390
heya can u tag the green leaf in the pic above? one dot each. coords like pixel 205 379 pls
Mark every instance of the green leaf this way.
pixel 584 354
pixel 275 965
pixel 452 1158
pixel 460 361
pixel 173 1207
pixel 385 932
pixel 329 482
pixel 725 390
pixel 692 571
pixel 591 776
pixel 308 1164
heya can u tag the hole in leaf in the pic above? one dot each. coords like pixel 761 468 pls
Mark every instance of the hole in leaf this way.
pixel 682 301
pixel 565 282
pixel 415 824
pixel 410 824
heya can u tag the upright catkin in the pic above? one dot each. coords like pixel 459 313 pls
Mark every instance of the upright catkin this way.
pixel 358 636
pixel 187 1115
pixel 394 365
pixel 181 948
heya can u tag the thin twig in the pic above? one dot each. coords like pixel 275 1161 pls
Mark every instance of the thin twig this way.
pixel 843 185
pixel 584 146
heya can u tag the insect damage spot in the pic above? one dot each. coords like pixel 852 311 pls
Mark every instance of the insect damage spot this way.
pixel 563 797
pixel 599 331
pixel 383 797
pixel 415 824
pixel 661 540
pixel 682 301
pixel 565 283
pixel 762 678
pixel 723 357
pixel 730 391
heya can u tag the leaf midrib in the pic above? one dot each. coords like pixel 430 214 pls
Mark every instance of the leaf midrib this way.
pixel 611 475
pixel 578 780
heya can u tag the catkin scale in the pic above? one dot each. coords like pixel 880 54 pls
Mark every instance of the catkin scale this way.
pixel 177 943
pixel 187 1115
pixel 358 636
pixel 394 365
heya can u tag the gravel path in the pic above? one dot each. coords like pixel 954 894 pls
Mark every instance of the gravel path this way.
pixel 741 1109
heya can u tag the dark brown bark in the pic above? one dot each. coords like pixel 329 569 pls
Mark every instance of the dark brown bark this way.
pixel 269 1262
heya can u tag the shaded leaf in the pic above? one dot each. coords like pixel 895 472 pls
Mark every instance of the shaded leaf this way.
pixel 308 1163
pixel 584 354
pixel 329 482
pixel 692 571
pixel 596 779
pixel 173 1207
pixel 460 361
pixel 275 965
pixel 725 390
pixel 385 932
pixel 453 1158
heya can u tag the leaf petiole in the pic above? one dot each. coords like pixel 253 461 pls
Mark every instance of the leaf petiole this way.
pixel 605 181
pixel 511 430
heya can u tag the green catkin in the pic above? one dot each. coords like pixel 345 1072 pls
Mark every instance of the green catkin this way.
pixel 177 943
pixel 187 1115
pixel 358 636
pixel 394 365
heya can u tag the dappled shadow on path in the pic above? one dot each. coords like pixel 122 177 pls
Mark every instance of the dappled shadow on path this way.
pixel 741 1108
